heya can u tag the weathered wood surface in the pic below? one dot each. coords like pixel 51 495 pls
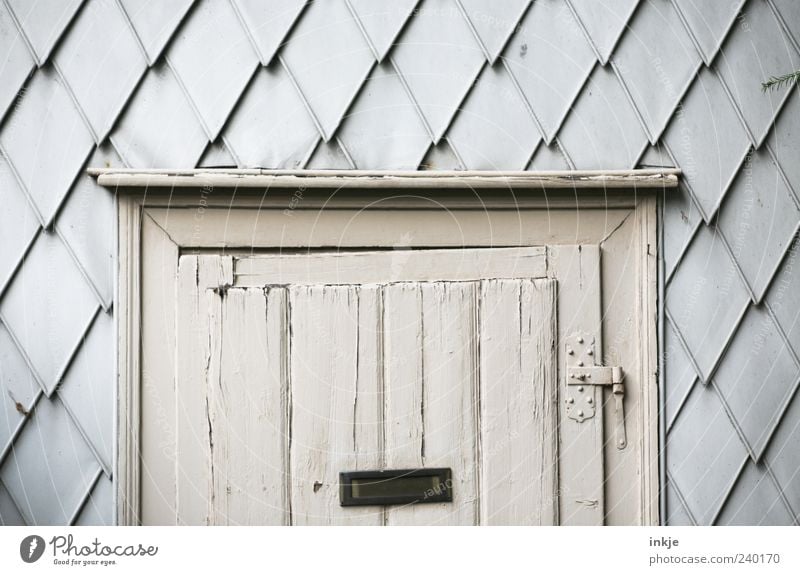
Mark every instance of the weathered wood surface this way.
pixel 281 388
pixel 599 179
pixel 430 387
pixel 246 407
pixel 518 395
pixel 390 266
pixel 335 394
pixel 581 463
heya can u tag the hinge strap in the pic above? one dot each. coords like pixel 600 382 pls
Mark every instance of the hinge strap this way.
pixel 580 350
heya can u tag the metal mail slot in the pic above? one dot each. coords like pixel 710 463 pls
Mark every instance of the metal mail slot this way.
pixel 395 486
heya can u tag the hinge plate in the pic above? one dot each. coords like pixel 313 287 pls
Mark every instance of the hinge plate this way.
pixel 583 375
pixel 581 404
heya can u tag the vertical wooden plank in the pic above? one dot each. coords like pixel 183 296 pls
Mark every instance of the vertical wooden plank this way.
pixel 430 350
pixel 647 332
pixel 246 408
pixel 403 386
pixel 335 398
pixel 581 466
pixel 196 274
pixel 127 314
pixel 157 385
pixel 518 395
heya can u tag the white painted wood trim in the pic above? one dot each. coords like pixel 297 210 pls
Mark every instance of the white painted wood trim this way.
pixel 390 266
pixel 127 461
pixel 231 178
pixel 336 229
pixel 647 222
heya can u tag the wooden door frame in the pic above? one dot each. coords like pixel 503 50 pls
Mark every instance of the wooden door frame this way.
pixel 145 198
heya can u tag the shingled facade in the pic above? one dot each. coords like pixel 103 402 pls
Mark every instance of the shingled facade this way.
pixel 408 85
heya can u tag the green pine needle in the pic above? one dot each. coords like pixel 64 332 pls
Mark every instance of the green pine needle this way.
pixel 780 81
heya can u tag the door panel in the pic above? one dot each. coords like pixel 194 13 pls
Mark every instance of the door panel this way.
pixel 279 388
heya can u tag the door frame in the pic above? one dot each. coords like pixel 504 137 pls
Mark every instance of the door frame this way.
pixel 146 198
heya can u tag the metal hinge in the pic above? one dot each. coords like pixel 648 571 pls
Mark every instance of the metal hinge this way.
pixel 582 372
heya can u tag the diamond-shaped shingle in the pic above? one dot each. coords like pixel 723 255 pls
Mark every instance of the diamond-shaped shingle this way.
pixel 755 500
pixel 439 58
pixel 707 141
pixel 494 129
pixel 43 22
pixel 383 130
pixel 213 58
pixel 705 299
pixel 756 49
pixel 656 60
pixel 708 22
pixel 758 219
pixel 329 59
pixel 86 223
pixel 18 223
pixel 46 141
pixel 102 62
pixel 602 130
pixel 155 22
pixel 550 58
pixel 51 449
pixel 159 128
pixel 494 22
pixel 756 377
pixel 268 22
pixel 604 22
pixel 47 308
pixel 705 453
pixel 271 128
pixel 16 61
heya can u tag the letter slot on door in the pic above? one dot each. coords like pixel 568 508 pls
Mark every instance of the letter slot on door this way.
pixel 395 487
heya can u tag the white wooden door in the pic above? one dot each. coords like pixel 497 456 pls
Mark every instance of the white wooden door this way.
pixel 292 369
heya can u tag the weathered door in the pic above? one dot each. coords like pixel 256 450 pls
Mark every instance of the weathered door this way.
pixel 292 369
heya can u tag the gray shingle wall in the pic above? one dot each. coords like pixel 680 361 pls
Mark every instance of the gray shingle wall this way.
pixel 436 84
